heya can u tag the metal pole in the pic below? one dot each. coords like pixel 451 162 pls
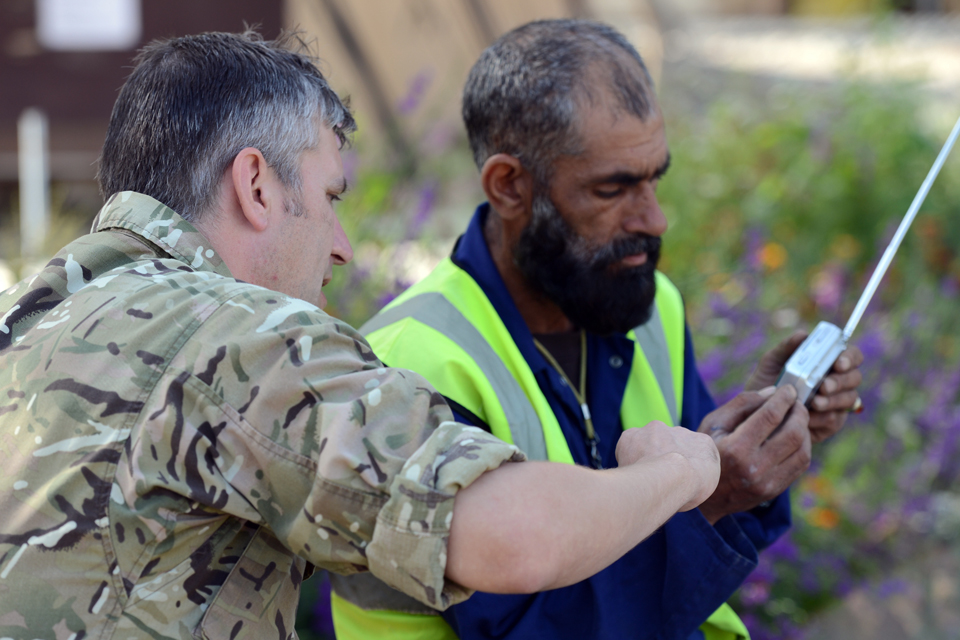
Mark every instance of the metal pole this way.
pixel 34 169
pixel 887 257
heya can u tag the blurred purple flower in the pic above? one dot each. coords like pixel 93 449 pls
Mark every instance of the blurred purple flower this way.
pixel 844 586
pixel 418 87
pixel 892 587
pixel 754 594
pixel 764 573
pixel 753 240
pixel 711 366
pixel 809 580
pixel 783 549
pixel 949 287
pixel 871 343
pixel 718 305
pixel 425 206
pixel 747 348
pixel 385 299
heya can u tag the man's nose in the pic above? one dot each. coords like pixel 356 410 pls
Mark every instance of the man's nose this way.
pixel 646 216
pixel 342 251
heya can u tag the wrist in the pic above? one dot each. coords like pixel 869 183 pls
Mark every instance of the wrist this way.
pixel 681 480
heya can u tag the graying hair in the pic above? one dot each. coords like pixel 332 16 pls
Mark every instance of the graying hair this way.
pixel 192 103
pixel 524 94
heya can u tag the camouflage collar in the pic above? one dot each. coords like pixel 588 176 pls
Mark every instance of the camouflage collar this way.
pixel 161 225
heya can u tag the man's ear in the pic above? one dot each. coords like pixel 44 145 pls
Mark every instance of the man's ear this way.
pixel 509 187
pixel 257 187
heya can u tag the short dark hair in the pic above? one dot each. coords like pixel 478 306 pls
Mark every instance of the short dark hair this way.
pixel 192 103
pixel 523 95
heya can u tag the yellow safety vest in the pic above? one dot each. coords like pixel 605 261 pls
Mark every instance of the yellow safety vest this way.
pixel 446 329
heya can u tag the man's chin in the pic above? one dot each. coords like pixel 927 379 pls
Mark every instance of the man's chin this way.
pixel 604 326
pixel 610 313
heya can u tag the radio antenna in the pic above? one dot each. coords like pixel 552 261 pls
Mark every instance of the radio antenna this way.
pixel 891 250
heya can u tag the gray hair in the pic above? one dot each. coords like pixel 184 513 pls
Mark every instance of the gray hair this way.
pixel 192 103
pixel 524 94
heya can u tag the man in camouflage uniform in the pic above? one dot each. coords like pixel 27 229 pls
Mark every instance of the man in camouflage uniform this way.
pixel 183 432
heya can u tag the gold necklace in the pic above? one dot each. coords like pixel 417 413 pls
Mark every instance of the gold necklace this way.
pixel 580 395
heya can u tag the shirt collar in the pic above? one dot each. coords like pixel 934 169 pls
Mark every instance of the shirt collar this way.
pixel 162 226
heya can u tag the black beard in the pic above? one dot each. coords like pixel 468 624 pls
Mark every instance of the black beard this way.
pixel 584 282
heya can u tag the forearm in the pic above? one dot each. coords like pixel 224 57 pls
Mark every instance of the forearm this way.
pixel 536 526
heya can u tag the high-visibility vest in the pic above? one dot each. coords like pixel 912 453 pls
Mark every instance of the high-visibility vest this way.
pixel 446 329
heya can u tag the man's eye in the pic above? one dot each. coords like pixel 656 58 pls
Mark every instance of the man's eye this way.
pixel 608 193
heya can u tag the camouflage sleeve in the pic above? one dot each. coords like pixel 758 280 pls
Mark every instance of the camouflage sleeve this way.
pixel 298 426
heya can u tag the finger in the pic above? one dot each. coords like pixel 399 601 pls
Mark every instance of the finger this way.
pixel 728 416
pixel 786 347
pixel 762 422
pixel 790 469
pixel 792 436
pixel 841 401
pixel 826 425
pixel 772 361
pixel 850 358
pixel 792 343
pixel 840 382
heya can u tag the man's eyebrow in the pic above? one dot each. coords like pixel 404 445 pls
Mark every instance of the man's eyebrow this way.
pixel 625 178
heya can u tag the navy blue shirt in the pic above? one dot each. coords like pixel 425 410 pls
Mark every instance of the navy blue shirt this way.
pixel 671 582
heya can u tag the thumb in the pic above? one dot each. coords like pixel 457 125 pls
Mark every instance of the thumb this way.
pixel 772 362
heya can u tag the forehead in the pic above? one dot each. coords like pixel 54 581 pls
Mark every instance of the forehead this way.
pixel 329 147
pixel 612 140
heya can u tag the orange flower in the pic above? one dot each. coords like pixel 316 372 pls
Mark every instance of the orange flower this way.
pixel 823 518
pixel 773 255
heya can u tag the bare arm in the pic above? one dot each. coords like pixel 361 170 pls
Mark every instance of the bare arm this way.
pixel 540 525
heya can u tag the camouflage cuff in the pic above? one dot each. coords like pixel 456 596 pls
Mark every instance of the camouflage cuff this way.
pixel 409 546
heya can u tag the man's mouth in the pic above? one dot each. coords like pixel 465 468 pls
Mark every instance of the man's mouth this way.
pixel 635 260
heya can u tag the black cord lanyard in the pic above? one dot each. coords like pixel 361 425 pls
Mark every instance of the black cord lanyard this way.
pixel 580 395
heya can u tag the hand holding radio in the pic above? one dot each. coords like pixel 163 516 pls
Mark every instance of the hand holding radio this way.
pixel 764 445
pixel 835 398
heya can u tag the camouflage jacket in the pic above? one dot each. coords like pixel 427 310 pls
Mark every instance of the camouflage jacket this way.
pixel 177 445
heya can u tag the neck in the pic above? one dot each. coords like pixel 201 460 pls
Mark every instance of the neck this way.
pixel 540 314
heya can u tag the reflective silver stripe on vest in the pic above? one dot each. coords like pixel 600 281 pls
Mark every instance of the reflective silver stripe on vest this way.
pixel 435 311
pixel 653 342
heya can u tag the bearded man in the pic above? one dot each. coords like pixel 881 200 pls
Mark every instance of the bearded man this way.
pixel 550 312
